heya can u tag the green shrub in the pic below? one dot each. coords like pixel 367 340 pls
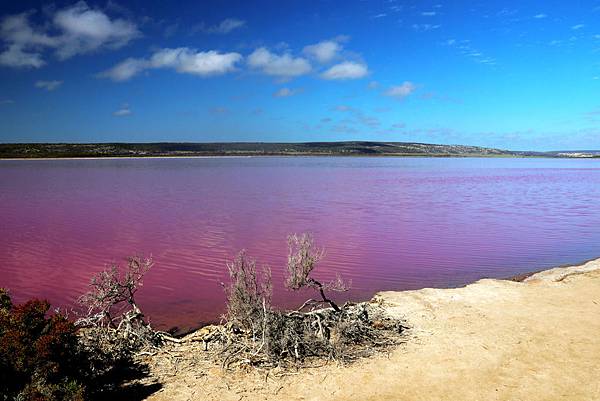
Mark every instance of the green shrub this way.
pixel 39 354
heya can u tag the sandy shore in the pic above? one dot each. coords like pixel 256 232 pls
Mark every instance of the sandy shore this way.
pixel 491 340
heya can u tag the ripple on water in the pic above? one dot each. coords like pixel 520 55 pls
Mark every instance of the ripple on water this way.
pixel 386 223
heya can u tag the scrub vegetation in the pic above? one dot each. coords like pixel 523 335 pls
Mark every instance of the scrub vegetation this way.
pixel 91 355
pixel 318 329
pixel 347 148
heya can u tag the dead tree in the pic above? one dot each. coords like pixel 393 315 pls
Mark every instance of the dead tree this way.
pixel 110 302
pixel 303 256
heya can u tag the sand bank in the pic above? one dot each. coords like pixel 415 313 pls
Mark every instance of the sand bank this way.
pixel 490 340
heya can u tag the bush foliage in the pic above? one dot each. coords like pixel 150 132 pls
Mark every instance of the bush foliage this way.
pixel 46 357
pixel 41 359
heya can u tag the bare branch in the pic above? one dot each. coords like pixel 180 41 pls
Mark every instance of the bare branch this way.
pixel 111 307
pixel 303 256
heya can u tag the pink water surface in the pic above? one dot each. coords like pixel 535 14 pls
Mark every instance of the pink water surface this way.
pixel 386 223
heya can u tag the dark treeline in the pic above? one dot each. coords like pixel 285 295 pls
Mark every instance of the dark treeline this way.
pixel 354 148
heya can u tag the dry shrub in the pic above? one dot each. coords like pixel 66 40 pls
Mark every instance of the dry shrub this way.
pixel 299 338
pixel 248 309
pixel 111 299
pixel 355 331
pixel 258 335
pixel 114 327
pixel 303 257
pixel 248 294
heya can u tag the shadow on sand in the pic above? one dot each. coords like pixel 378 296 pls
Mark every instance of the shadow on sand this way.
pixel 127 383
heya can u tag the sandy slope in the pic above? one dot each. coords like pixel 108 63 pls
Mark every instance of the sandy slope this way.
pixel 491 340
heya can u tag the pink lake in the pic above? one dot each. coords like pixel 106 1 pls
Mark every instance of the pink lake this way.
pixel 386 223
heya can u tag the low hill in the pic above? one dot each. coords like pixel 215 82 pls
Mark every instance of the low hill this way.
pixel 39 150
pixel 349 148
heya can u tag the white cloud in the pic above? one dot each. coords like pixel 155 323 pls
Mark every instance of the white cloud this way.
pixel 226 26
pixel 401 91
pixel 428 13
pixel 86 30
pixel 16 57
pixel 577 27
pixel 125 70
pixel 324 51
pixel 373 85
pixel 425 27
pixel 286 92
pixel 464 47
pixel 540 16
pixel 123 111
pixel 77 29
pixel 48 85
pixel 23 42
pixel 346 70
pixel 189 61
pixel 16 29
pixel 379 16
pixel 283 65
pixel 182 59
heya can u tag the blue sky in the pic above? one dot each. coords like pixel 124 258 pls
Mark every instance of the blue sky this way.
pixel 514 75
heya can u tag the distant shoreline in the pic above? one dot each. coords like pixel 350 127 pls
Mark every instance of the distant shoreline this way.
pixel 122 157
pixel 436 156
pixel 280 155
pixel 51 151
